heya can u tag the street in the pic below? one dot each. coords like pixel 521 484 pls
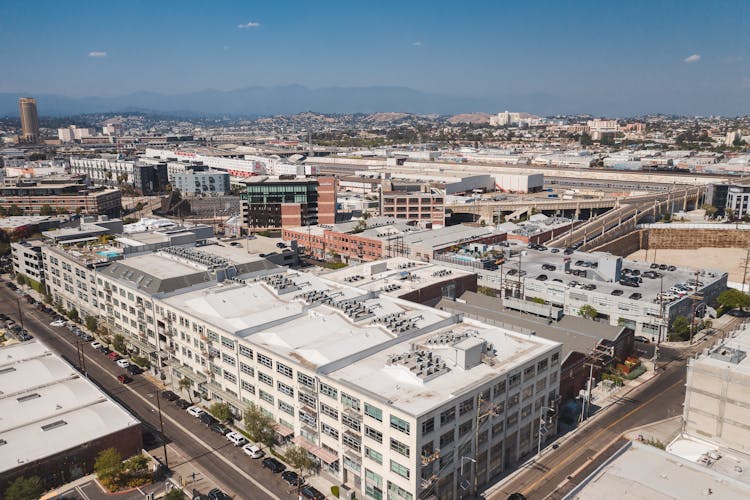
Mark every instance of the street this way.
pixel 560 470
pixel 226 465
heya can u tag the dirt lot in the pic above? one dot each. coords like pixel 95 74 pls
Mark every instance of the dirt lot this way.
pixel 731 260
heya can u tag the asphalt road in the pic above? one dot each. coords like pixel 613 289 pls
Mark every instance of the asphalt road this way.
pixel 559 471
pixel 226 465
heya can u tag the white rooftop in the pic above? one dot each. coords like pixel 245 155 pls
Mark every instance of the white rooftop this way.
pixel 46 407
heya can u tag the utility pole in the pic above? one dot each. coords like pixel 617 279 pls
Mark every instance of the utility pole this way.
pixel 661 320
pixel 480 414
pixel 161 428
pixel 693 297
pixel 542 422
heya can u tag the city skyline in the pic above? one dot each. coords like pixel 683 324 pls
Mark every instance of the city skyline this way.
pixel 619 60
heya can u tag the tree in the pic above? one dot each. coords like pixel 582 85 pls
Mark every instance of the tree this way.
pixel 588 312
pixel 136 463
pixel 118 342
pixel 108 464
pixel 710 210
pixel 732 298
pixel 73 316
pixel 25 488
pixel 174 494
pixel 680 328
pixel 222 411
pixel 299 459
pixel 46 210
pixel 259 425
pixel 92 323
pixel 586 139
pixel 185 384
pixel 14 210
pixel 20 279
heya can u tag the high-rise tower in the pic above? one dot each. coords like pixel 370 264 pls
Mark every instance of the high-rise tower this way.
pixel 29 119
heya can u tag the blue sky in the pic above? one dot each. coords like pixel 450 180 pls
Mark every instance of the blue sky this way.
pixel 595 53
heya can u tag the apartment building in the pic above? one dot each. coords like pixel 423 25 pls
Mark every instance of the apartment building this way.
pixel 423 206
pixel 144 177
pixel 388 396
pixel 27 259
pixel 67 195
pixel 197 183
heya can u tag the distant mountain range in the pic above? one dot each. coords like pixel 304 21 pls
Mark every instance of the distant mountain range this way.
pixel 290 99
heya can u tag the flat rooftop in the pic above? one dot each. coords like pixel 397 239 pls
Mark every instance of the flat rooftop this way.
pixel 646 472
pixel 731 354
pixel 46 407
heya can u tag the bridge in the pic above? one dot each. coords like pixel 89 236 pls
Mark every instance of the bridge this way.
pixel 625 217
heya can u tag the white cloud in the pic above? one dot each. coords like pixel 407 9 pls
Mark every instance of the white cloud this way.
pixel 250 24
pixel 97 53
pixel 693 58
pixel 416 44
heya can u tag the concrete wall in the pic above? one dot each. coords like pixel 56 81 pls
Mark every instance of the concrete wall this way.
pixel 676 238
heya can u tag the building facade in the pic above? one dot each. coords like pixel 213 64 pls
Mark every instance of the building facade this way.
pixel 426 207
pixel 69 197
pixel 209 183
pixel 276 203
pixel 29 119
pixel 27 259
pixel 738 201
pixel 145 178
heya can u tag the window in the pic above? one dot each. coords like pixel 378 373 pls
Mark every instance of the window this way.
pixel 265 396
pixel 513 400
pixel 247 386
pixel 529 372
pixel 428 425
pixel 527 392
pixel 265 360
pixel 244 350
pixel 349 401
pixel 464 428
pixel 526 411
pixel 329 391
pixel 249 370
pixel 448 416
pixel 514 380
pixel 555 358
pixel 308 400
pixel 308 418
pixel 351 441
pixel 542 365
pixel 447 438
pixel 350 422
pixel 329 410
pixel 399 469
pixel 230 377
pixel 373 455
pixel 399 424
pixel 228 359
pixel 284 370
pixel 374 412
pixel 286 408
pixel 465 406
pixel 330 431
pixel 265 378
pixel 399 447
pixel 227 342
pixel 497 428
pixel 285 389
pixel 306 380
pixel 374 434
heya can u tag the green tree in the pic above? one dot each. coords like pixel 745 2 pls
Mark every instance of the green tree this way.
pixel 174 494
pixel 680 328
pixel 46 210
pixel 731 298
pixel 299 459
pixel 136 463
pixel 72 314
pixel 586 139
pixel 259 425
pixel 25 488
pixel 20 279
pixel 14 210
pixel 108 464
pixel 92 323
pixel 588 311
pixel 710 210
pixel 185 384
pixel 118 342
pixel 222 411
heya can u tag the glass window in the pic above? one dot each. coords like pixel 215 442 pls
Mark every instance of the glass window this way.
pixel 374 412
pixel 374 434
pixel 349 401
pixel 399 424
pixel 373 455
pixel 466 406
pixel 265 360
pixel 306 380
pixel 284 370
pixel 399 469
pixel 285 389
pixel 428 425
pixel 244 350
pixel 448 416
pixel 329 410
pixel 286 408
pixel 350 422
pixel 265 378
pixel 399 447
pixel 328 390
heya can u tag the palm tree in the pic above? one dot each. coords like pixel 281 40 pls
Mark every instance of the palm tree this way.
pixel 185 384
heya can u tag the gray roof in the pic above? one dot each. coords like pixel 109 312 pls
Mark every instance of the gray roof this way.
pixel 574 333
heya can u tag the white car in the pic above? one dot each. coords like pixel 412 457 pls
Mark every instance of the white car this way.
pixel 252 450
pixel 57 322
pixel 96 345
pixel 236 438
pixel 196 411
pixel 123 363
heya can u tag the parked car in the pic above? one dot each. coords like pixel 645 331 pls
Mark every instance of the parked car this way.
pixel 96 344
pixel 123 363
pixel 113 356
pixel 635 296
pixel 641 338
pixel 208 419
pixel 252 450
pixel 311 493
pixel 57 322
pixel 217 494
pixel 617 292
pixel 86 337
pixel 236 438
pixel 671 268
pixel 196 411
pixel 182 404
pixel 292 478
pixel 220 428
pixel 542 277
pixel 134 369
pixel 170 396
pixel 273 465
pixel 103 349
pixel 124 379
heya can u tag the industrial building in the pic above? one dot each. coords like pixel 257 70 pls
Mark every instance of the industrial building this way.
pixel 54 420
pixel 62 195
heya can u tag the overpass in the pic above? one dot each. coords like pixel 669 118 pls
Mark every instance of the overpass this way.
pixel 624 218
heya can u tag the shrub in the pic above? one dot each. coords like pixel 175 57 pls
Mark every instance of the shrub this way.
pixel 335 491
pixel 108 464
pixel 222 411
pixel 636 372
pixel 174 494
pixel 136 463
pixel 25 488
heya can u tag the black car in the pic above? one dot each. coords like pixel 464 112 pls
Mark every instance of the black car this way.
pixel 134 369
pixel 217 494
pixel 208 419
pixel 671 268
pixel 554 250
pixel 311 493
pixel 542 277
pixel 219 428
pixel 617 292
pixel 104 349
pixel 182 404
pixel 87 338
pixel 569 251
pixel 635 296
pixel 654 266
pixel 274 465
pixel 292 478
pixel 170 396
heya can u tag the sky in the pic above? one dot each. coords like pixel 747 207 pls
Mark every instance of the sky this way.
pixel 597 55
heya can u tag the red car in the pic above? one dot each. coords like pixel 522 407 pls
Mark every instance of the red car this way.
pixel 124 379
pixel 113 356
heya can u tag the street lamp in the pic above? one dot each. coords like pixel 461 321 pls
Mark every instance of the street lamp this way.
pixel 464 484
pixel 550 412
